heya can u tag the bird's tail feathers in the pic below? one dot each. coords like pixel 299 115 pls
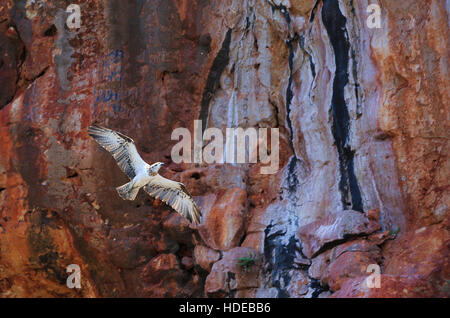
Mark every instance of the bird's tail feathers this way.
pixel 127 192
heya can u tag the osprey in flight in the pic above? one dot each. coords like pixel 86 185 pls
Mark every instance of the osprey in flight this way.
pixel 144 175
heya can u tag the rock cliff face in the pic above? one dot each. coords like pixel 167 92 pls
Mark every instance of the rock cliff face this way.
pixel 363 119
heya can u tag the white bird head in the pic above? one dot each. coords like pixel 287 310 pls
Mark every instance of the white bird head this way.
pixel 156 166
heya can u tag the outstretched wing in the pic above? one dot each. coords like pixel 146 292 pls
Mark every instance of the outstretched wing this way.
pixel 174 194
pixel 121 147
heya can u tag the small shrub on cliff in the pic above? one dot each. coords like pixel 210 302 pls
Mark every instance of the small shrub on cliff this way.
pixel 246 262
pixel 393 232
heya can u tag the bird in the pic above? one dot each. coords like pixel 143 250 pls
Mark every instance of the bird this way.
pixel 143 175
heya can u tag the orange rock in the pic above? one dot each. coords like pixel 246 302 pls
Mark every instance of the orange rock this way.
pixel 163 277
pixel 373 214
pixel 228 275
pixel 178 228
pixel 336 226
pixel 392 286
pixel 58 203
pixel 224 225
pixel 205 257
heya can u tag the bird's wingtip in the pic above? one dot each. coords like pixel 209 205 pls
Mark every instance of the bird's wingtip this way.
pixel 96 129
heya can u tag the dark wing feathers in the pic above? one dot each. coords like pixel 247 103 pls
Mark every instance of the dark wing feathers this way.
pixel 175 195
pixel 121 147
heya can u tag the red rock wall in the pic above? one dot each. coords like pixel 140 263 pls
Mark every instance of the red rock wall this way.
pixel 363 121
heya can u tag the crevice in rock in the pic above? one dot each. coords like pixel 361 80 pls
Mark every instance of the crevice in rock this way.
pixel 289 93
pixel 51 31
pixel 299 249
pixel 276 113
pixel 293 179
pixel 330 245
pixel 21 80
pixel 42 73
pixel 24 52
pixel 355 71
pixel 311 61
pixel 317 287
pixel 71 173
pixel 335 24
pixel 355 79
pixel 230 277
pixel 282 8
pixel 279 259
pixel 313 11
pixel 9 100
pixel 213 80
pixel 244 236
pixel 19 52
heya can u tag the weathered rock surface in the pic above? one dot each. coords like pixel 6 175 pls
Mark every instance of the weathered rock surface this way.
pixel 223 226
pixel 395 287
pixel 228 276
pixel 345 261
pixel 205 257
pixel 363 121
pixel 164 277
pixel 336 226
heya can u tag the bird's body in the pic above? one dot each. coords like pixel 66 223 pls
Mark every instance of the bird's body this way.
pixel 143 175
pixel 130 190
pixel 141 179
